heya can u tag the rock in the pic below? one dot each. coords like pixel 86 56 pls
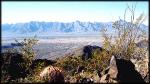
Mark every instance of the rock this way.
pixel 121 71
pixel 106 79
pixel 146 78
pixel 88 50
pixel 127 72
pixel 141 65
pixel 103 79
pixel 113 70
pixel 52 75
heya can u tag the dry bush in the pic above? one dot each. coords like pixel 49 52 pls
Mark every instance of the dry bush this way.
pixel 123 43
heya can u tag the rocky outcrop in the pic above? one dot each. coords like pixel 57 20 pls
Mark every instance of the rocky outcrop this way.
pixel 142 65
pixel 88 50
pixel 141 58
pixel 121 71
pixel 52 74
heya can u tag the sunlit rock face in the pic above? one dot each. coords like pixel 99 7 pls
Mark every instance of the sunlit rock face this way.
pixel 122 71
pixel 141 65
pixel 52 75
pixel 141 58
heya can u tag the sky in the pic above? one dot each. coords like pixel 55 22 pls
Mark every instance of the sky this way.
pixel 20 12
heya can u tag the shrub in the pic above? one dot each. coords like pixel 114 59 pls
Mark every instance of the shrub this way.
pixel 16 62
pixel 123 43
pixel 99 60
pixel 27 51
pixel 69 63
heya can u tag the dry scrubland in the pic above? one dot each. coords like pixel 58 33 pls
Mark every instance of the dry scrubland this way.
pixel 120 59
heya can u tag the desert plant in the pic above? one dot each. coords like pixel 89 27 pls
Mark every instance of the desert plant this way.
pixel 27 51
pixel 100 60
pixel 123 43
pixel 20 59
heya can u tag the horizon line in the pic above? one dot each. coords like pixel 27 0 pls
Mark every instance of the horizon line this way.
pixel 67 22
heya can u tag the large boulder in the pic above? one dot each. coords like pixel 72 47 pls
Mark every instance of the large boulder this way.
pixel 122 71
pixel 88 50
pixel 142 65
pixel 141 58
pixel 52 74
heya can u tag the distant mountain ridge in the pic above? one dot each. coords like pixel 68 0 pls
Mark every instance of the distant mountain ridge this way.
pixel 35 27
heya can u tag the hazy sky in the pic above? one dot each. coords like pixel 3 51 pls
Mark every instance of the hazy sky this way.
pixel 14 12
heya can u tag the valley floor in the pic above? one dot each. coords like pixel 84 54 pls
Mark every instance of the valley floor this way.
pixel 55 47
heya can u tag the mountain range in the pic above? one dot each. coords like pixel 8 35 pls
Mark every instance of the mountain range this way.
pixel 51 28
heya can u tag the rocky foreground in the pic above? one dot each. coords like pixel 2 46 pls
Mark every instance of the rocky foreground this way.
pixel 118 70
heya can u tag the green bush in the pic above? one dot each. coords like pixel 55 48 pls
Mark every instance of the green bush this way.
pixel 18 61
pixel 27 51
pixel 100 59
